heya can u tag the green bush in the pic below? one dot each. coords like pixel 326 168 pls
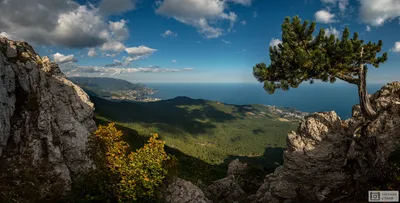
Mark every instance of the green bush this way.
pixel 122 175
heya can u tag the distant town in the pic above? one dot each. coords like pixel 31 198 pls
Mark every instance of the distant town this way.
pixel 140 95
pixel 287 112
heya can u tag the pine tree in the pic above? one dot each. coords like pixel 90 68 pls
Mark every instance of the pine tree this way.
pixel 302 57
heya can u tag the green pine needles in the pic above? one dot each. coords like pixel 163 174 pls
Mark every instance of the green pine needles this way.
pixel 304 57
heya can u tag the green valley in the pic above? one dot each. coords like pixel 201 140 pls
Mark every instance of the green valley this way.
pixel 204 135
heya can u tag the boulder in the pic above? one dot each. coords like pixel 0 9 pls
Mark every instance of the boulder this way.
pixel 182 191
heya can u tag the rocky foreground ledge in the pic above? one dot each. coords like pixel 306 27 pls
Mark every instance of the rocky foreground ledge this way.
pixel 45 121
pixel 318 166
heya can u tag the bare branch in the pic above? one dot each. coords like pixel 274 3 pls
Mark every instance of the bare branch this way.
pixel 347 78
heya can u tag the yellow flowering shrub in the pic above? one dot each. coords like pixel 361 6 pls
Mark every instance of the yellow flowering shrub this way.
pixel 123 175
pixel 141 172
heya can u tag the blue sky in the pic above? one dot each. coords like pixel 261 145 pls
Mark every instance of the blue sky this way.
pixel 186 40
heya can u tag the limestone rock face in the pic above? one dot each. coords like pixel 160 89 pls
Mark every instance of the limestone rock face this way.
pixel 317 153
pixel 44 118
pixel 182 191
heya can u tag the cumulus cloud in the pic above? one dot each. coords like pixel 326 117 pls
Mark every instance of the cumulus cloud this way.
pixel 368 28
pixel 116 6
pixel 63 22
pixel 332 31
pixel 324 16
pixel 203 15
pixel 396 47
pixel 169 33
pixel 275 42
pixel 377 12
pixel 243 22
pixel 92 52
pixel 113 46
pixel 137 53
pixel 119 30
pixel 52 22
pixel 61 58
pixel 140 50
pixel 174 61
pixel 79 28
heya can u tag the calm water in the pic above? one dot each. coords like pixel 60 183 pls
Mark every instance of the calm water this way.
pixel 307 98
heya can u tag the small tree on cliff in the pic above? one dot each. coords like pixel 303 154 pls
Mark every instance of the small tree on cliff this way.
pixel 301 57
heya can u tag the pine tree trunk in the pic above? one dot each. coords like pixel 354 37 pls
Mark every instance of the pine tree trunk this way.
pixel 365 104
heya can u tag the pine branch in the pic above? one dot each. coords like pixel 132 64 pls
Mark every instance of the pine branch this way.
pixel 347 78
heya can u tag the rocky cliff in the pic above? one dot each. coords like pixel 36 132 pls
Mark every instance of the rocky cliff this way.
pixel 326 153
pixel 326 160
pixel 45 121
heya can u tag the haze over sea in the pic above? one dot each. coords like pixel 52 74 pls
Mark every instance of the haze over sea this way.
pixel 318 97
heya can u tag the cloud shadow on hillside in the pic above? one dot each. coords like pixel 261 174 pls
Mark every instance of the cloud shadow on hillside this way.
pixel 164 114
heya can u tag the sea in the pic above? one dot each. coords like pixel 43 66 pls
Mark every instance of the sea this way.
pixel 317 97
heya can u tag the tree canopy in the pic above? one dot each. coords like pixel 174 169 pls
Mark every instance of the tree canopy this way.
pixel 304 57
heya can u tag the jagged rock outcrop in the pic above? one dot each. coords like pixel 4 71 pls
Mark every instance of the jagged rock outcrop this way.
pixel 45 120
pixel 182 191
pixel 320 157
pixel 325 158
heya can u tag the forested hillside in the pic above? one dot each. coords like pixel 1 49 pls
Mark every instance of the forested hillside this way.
pixel 204 132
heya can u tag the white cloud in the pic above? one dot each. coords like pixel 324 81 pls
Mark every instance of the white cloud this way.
pixel 113 46
pixel 62 22
pixel 324 16
pixel 226 42
pixel 174 61
pixel 111 55
pixel 52 22
pixel 377 12
pixel 137 53
pixel 109 71
pixel 92 52
pixel 396 47
pixel 203 15
pixel 116 6
pixel 368 28
pixel 169 33
pixel 243 2
pixel 119 30
pixel 275 42
pixel 192 9
pixel 140 50
pixel 61 58
pixel 343 5
pixel 115 63
pixel 243 22
pixel 79 28
pixel 9 36
pixel 332 31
